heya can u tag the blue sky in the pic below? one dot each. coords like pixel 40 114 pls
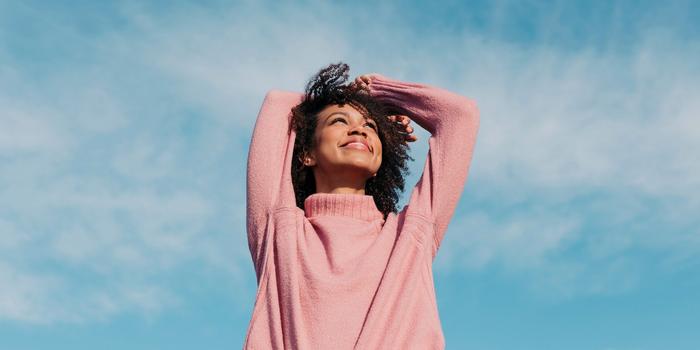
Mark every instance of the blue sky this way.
pixel 124 128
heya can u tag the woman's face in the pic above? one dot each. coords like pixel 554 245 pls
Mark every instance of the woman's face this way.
pixel 346 143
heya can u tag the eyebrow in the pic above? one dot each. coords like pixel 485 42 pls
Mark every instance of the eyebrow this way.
pixel 347 115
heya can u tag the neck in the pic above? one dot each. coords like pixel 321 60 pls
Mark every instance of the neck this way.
pixel 341 183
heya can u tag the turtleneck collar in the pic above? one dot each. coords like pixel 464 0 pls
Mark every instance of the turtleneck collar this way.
pixel 357 206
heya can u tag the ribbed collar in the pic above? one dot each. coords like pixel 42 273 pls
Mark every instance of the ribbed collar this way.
pixel 357 206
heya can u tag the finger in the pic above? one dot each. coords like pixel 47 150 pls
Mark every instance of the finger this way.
pixel 409 129
pixel 368 77
pixel 371 76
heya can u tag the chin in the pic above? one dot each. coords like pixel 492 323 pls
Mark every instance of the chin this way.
pixel 355 167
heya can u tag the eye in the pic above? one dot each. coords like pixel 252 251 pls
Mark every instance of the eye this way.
pixel 372 125
pixel 336 119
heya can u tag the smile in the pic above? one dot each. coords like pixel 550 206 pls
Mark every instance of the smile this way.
pixel 357 145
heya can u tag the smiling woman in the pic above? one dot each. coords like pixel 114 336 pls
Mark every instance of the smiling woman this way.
pixel 331 115
pixel 337 266
pixel 348 151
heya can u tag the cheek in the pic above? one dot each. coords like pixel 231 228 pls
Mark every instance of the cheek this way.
pixel 377 158
pixel 378 147
pixel 326 144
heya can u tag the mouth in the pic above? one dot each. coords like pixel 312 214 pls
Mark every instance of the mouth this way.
pixel 358 146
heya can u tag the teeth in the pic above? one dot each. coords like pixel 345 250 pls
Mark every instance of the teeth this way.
pixel 359 144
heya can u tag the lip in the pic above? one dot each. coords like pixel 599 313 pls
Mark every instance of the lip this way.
pixel 359 144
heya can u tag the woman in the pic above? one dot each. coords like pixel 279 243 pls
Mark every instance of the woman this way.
pixel 337 266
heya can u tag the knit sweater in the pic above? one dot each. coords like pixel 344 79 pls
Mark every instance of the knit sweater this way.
pixel 336 274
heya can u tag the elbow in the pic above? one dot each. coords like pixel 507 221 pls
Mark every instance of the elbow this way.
pixel 284 95
pixel 469 122
pixel 471 111
pixel 467 115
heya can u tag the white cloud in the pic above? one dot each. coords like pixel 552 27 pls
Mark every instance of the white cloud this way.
pixel 23 132
pixel 37 298
pixel 23 296
pixel 522 242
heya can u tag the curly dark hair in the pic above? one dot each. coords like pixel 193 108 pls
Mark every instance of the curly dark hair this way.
pixel 328 87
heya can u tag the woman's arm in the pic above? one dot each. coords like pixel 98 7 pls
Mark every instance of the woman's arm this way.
pixel 453 122
pixel 266 160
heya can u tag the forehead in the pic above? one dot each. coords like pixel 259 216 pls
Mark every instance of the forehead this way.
pixel 335 108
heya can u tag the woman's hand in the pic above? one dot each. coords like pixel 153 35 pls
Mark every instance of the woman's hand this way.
pixel 404 120
pixel 364 80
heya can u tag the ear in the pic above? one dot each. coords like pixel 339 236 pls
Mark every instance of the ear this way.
pixel 308 160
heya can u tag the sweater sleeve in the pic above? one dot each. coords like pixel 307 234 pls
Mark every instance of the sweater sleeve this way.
pixel 267 157
pixel 453 122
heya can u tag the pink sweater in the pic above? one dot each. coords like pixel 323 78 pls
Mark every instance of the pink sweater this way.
pixel 336 275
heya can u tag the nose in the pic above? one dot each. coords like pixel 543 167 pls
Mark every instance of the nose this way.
pixel 355 130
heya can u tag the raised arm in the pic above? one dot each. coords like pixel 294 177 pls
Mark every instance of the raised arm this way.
pixel 266 160
pixel 453 122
